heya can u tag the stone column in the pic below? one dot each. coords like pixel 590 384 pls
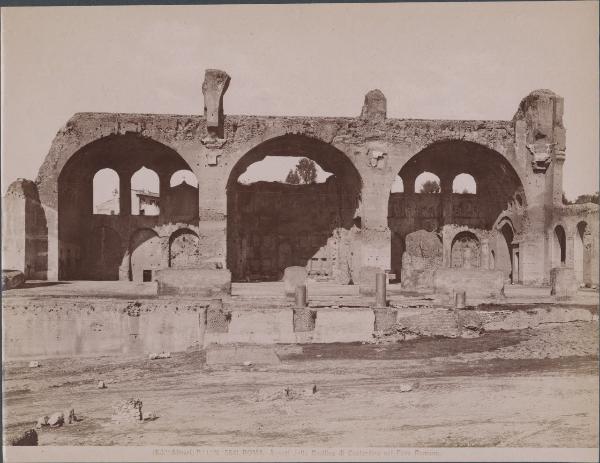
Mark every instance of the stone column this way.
pixel 408 180
pixel 485 254
pixel 164 185
pixel 125 192
pixel 446 200
pixel 375 233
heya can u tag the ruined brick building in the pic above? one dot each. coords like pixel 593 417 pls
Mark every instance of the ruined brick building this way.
pixel 514 222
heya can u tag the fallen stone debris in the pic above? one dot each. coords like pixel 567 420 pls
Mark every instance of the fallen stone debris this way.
pixel 405 388
pixel 101 385
pixel 162 355
pixel 34 364
pixel 127 411
pixel 57 419
pixel 285 393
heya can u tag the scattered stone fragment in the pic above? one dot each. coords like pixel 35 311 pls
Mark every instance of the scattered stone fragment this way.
pixel 56 419
pixel 101 385
pixel 150 416
pixel 69 416
pixel 34 364
pixel 127 411
pixel 42 421
pixel 405 388
pixel 24 438
pixel 247 363
pixel 162 355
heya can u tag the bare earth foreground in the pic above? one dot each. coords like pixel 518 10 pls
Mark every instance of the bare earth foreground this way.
pixel 528 388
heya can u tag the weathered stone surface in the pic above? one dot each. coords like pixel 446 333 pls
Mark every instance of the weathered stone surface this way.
pixel 12 279
pixel 293 277
pixel 563 282
pixel 366 280
pixel 375 106
pixel 422 256
pixel 193 282
pixel 214 87
pixel 304 320
pixel 217 318
pixel 477 283
pixel 385 318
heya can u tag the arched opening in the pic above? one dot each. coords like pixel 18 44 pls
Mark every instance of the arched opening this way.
pixel 145 252
pixel 273 224
pixel 104 253
pixel 145 192
pixel 466 251
pixel 106 192
pixel 446 163
pixel 125 155
pixel 293 170
pixel 582 259
pixel 183 176
pixel 427 182
pixel 504 260
pixel 559 253
pixel 398 185
pixel 182 198
pixel 184 249
pixel 464 184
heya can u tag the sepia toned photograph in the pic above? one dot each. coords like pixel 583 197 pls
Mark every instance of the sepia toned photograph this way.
pixel 300 232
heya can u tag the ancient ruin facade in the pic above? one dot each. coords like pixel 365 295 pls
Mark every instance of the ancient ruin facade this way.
pixel 515 221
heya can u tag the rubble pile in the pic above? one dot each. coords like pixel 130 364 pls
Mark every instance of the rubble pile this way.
pixel 127 411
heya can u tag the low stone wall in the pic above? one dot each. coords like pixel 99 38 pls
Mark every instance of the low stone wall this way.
pixel 193 282
pixel 477 283
pixel 68 327
pixel 60 327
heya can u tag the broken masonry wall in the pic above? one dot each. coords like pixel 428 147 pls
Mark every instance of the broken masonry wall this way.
pixel 276 225
pixel 378 147
pixel 24 230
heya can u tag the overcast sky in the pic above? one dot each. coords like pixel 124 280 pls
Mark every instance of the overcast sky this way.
pixel 455 61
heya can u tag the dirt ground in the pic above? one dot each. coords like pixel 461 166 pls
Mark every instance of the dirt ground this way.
pixel 530 388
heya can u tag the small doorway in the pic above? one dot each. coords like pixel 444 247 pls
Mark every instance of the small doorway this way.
pixel 147 276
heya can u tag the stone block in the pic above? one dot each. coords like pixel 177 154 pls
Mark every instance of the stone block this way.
pixel 193 282
pixel 477 283
pixel 12 279
pixel 384 318
pixel 217 319
pixel 292 277
pixel 304 320
pixel 563 282
pixel 366 280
